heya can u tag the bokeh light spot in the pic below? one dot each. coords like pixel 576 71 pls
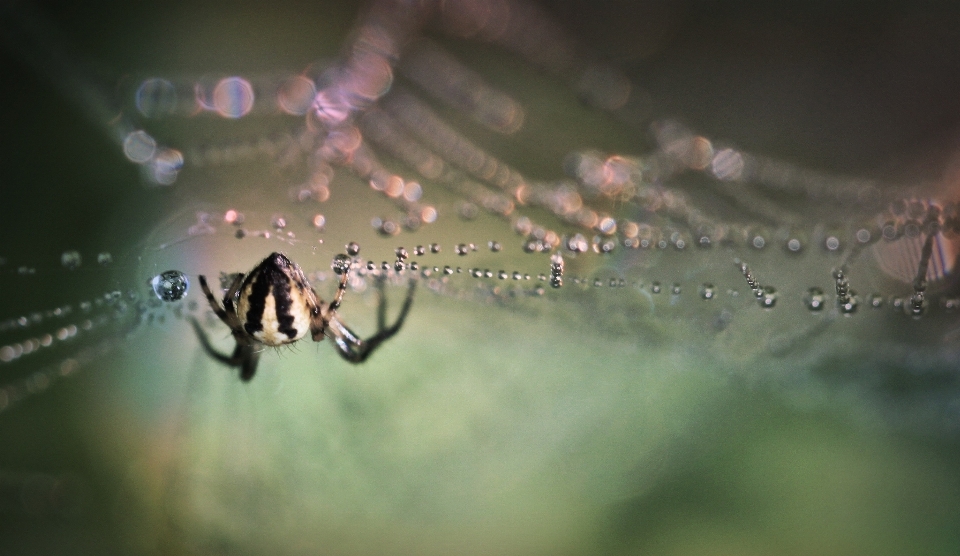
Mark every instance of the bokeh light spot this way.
pixel 295 95
pixel 233 97
pixel 156 97
pixel 139 146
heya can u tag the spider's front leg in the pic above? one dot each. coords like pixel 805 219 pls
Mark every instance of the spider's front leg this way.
pixel 355 350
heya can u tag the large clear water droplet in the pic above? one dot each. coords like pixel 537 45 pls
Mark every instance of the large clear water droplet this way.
pixel 171 285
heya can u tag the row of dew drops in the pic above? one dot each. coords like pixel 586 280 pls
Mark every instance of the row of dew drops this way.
pixel 173 285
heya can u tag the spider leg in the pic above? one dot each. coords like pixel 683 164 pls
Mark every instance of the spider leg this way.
pixel 230 296
pixel 250 358
pixel 245 355
pixel 355 350
pixel 381 304
pixel 214 304
pixel 320 319
pixel 232 360
pixel 341 287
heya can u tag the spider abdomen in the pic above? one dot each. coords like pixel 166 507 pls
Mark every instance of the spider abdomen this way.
pixel 275 302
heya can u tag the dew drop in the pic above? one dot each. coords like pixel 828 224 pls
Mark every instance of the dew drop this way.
pixel 461 249
pixel 171 285
pixel 655 287
pixel 815 299
pixel 494 246
pixel 412 222
pixel 279 222
pixel 319 222
pixel 353 249
pixel 104 258
pixel 434 248
pixel 468 211
pixel 577 243
pixel 387 227
pixel 675 289
pixel 71 260
pixel 844 294
pixel 556 264
pixel 340 264
pixel 139 147
pixel 401 253
pixel 707 291
pixel 875 300
pixel 768 298
pixel 418 250
pixel 156 97
pixel 398 265
pixel 916 306
pixel 233 217
pixel 850 305
pixel 889 231
pixel 8 353
pixel 609 245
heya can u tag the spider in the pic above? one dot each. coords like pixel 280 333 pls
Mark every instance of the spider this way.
pixel 275 305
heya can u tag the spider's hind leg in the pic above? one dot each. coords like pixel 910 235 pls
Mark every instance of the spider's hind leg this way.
pixel 355 350
pixel 245 355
